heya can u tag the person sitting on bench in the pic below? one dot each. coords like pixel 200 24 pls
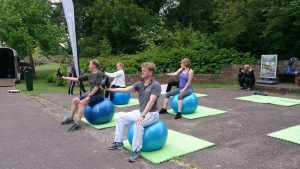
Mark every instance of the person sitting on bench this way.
pixel 246 78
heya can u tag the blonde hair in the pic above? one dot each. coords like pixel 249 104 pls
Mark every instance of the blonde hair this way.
pixel 96 63
pixel 186 62
pixel 150 66
pixel 121 64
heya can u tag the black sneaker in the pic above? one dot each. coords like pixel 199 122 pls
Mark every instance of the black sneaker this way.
pixel 163 111
pixel 116 146
pixel 178 116
pixel 134 155
pixel 74 127
pixel 68 120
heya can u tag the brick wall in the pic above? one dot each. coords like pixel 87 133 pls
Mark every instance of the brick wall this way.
pixel 228 74
pixel 163 79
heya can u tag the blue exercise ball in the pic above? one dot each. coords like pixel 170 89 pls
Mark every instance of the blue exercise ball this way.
pixel 189 104
pixel 155 136
pixel 120 98
pixel 100 113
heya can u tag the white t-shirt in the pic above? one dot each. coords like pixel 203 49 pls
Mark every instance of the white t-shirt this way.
pixel 119 78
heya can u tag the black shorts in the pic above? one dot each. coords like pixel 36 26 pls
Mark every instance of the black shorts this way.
pixel 93 99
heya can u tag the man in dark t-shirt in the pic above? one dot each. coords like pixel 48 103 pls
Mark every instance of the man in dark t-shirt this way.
pixel 148 92
pixel 96 94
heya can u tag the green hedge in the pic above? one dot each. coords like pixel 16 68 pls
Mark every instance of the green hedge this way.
pixel 206 57
pixel 204 60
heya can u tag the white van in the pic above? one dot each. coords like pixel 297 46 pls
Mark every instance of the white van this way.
pixel 8 67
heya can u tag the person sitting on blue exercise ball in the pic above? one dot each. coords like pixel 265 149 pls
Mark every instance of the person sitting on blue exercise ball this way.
pixel 185 74
pixel 148 92
pixel 119 79
pixel 96 95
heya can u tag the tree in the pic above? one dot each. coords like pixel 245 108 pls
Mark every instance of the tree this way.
pixel 115 20
pixel 152 6
pixel 25 25
pixel 195 13
pixel 282 28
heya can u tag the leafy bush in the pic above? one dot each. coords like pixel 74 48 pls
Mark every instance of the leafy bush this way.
pixel 206 57
pixel 50 78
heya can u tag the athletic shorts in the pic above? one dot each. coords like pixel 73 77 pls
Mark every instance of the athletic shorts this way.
pixel 93 99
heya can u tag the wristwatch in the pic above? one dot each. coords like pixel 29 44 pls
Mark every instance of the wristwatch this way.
pixel 143 116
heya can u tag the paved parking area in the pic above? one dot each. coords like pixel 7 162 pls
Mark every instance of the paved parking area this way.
pixel 31 136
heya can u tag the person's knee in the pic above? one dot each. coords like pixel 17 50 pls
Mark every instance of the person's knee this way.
pixel 75 100
pixel 82 103
pixel 180 97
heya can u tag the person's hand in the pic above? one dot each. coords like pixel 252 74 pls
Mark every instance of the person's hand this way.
pixel 181 91
pixel 60 78
pixel 110 89
pixel 139 120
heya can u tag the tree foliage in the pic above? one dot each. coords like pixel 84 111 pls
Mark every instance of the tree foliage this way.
pixel 25 25
pixel 115 20
pixel 210 32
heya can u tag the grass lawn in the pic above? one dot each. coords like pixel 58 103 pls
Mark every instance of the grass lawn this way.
pixel 40 84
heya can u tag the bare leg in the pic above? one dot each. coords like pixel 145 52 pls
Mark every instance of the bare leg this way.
pixel 80 111
pixel 75 102
pixel 179 105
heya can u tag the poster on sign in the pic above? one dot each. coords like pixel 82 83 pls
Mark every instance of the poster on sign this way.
pixel 268 66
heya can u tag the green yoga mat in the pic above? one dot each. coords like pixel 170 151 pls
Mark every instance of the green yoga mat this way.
pixel 291 134
pixel 178 144
pixel 200 95
pixel 112 123
pixel 281 101
pixel 132 102
pixel 201 111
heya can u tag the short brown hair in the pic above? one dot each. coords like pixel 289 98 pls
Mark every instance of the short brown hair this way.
pixel 121 64
pixel 150 66
pixel 186 62
pixel 96 63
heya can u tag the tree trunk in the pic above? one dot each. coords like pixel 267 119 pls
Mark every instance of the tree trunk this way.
pixel 31 63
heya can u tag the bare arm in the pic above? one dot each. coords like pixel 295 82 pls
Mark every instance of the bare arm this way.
pixel 149 105
pixel 122 90
pixel 95 89
pixel 114 74
pixel 175 73
pixel 191 75
pixel 75 79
